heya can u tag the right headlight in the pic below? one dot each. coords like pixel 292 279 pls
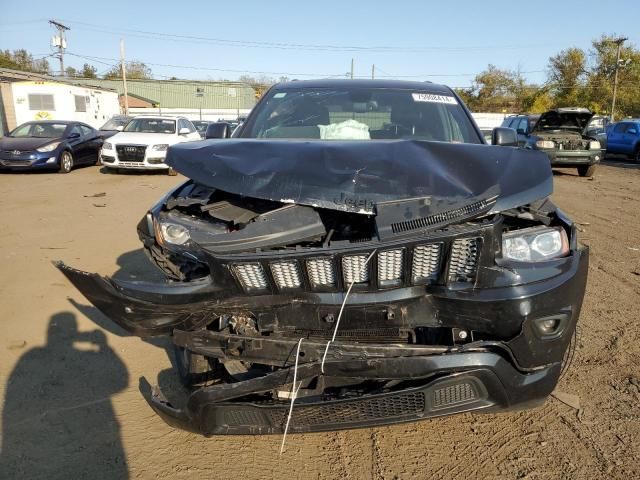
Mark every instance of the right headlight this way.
pixel 545 144
pixel 594 145
pixel 174 233
pixel 535 244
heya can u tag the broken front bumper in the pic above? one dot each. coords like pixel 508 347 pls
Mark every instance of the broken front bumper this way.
pixel 444 385
pixel 515 366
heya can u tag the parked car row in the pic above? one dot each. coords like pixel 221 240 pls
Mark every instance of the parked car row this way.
pixel 124 142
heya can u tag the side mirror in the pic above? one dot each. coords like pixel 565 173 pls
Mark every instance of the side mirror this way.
pixel 120 128
pixel 218 130
pixel 521 131
pixel 184 131
pixel 505 137
pixel 73 135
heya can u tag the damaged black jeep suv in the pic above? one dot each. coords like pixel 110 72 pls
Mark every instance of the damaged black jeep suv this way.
pixel 362 237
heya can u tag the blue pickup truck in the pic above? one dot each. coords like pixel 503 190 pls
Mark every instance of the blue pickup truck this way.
pixel 624 138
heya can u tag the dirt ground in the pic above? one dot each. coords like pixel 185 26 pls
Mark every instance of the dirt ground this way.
pixel 70 381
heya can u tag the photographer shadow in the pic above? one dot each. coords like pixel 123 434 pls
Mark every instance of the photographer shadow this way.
pixel 58 419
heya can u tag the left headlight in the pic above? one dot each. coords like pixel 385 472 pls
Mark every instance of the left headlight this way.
pixel 545 144
pixel 107 146
pixel 160 148
pixel 49 148
pixel 594 145
pixel 174 233
pixel 535 244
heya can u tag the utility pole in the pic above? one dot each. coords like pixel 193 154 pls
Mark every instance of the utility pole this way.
pixel 619 41
pixel 124 78
pixel 60 42
pixel 373 71
pixel 352 61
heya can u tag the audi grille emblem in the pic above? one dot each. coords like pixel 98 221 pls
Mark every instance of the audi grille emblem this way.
pixel 16 152
pixel 130 149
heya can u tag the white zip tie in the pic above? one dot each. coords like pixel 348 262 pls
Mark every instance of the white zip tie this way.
pixel 344 302
pixel 294 394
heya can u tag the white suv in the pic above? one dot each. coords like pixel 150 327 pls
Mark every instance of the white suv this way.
pixel 144 141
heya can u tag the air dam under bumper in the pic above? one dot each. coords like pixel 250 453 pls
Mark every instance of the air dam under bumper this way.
pixel 444 385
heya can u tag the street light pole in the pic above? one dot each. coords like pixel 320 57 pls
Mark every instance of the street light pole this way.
pixel 619 41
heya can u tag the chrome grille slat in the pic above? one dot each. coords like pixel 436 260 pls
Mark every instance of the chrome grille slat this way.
pixel 427 260
pixel 354 269
pixel 463 262
pixel 286 274
pixel 251 275
pixel 390 266
pixel 321 272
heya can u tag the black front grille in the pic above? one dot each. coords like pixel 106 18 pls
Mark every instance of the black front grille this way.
pixel 415 264
pixel 131 153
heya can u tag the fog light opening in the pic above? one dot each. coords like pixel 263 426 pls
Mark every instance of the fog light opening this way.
pixel 550 327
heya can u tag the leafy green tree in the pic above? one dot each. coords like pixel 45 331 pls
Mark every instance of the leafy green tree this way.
pixel 88 71
pixel 567 74
pixel 135 70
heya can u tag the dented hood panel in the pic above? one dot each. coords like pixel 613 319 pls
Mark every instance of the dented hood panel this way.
pixel 354 176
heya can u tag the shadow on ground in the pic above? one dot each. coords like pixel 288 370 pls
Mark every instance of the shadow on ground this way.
pixel 58 420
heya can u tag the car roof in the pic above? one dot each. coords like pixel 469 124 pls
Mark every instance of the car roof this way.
pixel 59 122
pixel 362 83
pixel 161 117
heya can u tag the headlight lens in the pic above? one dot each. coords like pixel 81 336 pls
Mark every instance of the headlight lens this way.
pixel 49 148
pixel 107 146
pixel 174 233
pixel 535 244
pixel 594 145
pixel 160 148
pixel 545 144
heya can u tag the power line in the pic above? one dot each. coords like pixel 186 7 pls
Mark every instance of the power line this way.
pixel 293 46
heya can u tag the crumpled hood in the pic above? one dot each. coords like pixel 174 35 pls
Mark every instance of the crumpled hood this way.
pixel 354 176
pixel 571 119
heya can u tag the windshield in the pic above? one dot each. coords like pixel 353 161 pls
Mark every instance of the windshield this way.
pixel 151 125
pixel 201 126
pixel 353 113
pixel 114 123
pixel 40 130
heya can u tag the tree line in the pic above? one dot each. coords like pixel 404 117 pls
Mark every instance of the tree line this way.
pixel 575 78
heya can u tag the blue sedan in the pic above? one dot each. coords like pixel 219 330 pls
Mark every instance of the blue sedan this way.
pixel 50 145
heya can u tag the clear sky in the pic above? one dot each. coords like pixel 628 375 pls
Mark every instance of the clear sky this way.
pixel 446 42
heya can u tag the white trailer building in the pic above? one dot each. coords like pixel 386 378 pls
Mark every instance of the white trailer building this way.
pixel 26 97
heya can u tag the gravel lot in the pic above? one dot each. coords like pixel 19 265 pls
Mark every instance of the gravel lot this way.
pixel 70 381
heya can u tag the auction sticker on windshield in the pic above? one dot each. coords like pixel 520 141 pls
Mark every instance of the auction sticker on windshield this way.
pixel 433 98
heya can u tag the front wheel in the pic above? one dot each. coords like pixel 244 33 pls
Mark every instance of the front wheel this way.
pixel 636 155
pixel 586 170
pixel 66 162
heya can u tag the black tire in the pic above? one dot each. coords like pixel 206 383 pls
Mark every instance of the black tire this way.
pixel 636 155
pixel 194 369
pixel 174 267
pixel 586 170
pixel 66 162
